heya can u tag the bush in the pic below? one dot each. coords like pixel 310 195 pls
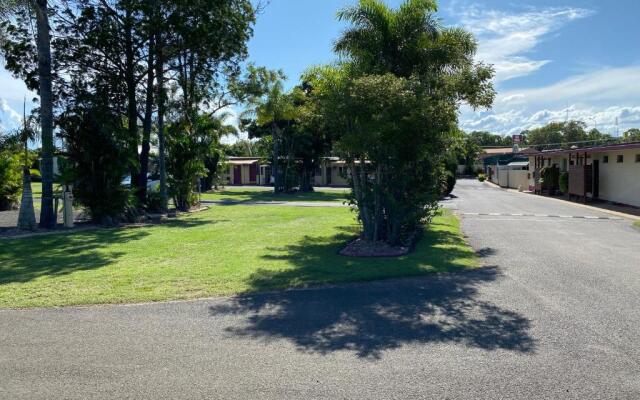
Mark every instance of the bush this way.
pixel 10 179
pixel 550 179
pixel 154 200
pixel 98 159
pixel 482 177
pixel 564 182
pixel 449 183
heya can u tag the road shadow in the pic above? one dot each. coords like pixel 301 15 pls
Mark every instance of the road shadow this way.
pixel 370 319
pixel 486 252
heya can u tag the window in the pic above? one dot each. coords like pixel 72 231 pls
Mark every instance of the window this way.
pixel 620 158
pixel 638 158
pixel 605 159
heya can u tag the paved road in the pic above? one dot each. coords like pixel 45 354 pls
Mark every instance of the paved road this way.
pixel 555 314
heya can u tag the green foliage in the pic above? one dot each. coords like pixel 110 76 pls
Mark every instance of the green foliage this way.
pixel 550 178
pixel 487 139
pixel 563 182
pixel 632 135
pixel 482 177
pixel 10 178
pixel 98 159
pixel 393 107
pixel 185 165
pixel 562 134
pixel 194 152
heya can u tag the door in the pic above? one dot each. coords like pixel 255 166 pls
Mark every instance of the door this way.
pixel 596 179
pixel 253 173
pixel 237 175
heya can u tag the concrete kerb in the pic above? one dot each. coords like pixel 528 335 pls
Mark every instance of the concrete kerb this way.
pixel 585 206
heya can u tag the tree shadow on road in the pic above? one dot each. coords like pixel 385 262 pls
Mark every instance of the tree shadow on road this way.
pixel 368 319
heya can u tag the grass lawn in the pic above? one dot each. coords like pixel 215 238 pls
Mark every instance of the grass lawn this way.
pixel 637 224
pixel 221 251
pixel 247 194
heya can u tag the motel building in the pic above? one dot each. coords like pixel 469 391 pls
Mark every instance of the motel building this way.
pixel 607 173
pixel 241 171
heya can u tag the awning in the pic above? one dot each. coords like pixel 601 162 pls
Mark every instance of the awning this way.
pixel 242 162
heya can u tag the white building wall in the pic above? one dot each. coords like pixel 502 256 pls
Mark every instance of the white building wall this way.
pixel 519 179
pixel 620 182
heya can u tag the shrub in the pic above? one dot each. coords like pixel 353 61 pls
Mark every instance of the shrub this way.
pixel 449 183
pixel 98 159
pixel 482 177
pixel 154 200
pixel 550 178
pixel 10 179
pixel 564 182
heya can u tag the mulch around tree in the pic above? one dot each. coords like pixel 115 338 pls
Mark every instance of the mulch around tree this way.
pixel 364 248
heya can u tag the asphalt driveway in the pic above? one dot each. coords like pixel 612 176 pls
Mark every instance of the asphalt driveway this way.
pixel 554 314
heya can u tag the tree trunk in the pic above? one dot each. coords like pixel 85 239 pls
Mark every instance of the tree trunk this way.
pixel 363 209
pixel 132 102
pixel 146 126
pixel 27 215
pixel 277 187
pixel 47 216
pixel 164 206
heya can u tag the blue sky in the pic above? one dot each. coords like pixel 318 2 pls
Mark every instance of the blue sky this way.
pixel 551 56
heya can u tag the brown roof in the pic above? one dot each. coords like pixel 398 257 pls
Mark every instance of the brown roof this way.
pixel 592 149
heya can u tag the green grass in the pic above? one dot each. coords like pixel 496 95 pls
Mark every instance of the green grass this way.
pixel 637 224
pixel 244 194
pixel 221 251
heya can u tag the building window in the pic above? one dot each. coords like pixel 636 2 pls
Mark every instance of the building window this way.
pixel 620 158
pixel 605 159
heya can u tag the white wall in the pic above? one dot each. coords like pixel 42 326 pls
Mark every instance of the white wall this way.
pixel 620 182
pixel 519 179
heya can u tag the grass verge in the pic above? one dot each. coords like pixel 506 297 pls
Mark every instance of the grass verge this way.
pixel 243 194
pixel 221 251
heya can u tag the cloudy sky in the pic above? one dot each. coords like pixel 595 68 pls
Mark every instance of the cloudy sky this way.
pixel 552 58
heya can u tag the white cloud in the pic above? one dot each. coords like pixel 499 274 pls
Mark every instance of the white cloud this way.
pixel 598 97
pixel 506 39
pixel 9 118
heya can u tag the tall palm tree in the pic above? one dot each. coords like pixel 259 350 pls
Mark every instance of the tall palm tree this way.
pixel 27 215
pixel 403 41
pixel 41 10
pixel 272 109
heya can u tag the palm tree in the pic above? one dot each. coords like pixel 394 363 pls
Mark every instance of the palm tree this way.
pixel 41 10
pixel 27 215
pixel 273 109
pixel 403 41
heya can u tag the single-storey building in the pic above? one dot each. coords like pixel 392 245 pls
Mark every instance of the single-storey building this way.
pixel 246 171
pixel 333 171
pixel 607 172
pixel 255 171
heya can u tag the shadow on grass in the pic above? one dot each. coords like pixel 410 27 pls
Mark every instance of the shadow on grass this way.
pixel 26 259
pixel 248 196
pixel 369 319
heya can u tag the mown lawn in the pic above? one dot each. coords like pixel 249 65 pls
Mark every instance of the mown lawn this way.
pixel 248 194
pixel 637 224
pixel 221 251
